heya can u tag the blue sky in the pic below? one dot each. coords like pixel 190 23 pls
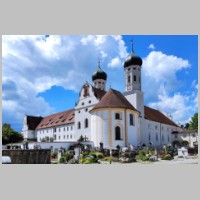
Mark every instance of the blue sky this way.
pixel 42 75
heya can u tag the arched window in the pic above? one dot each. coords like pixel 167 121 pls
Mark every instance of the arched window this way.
pixel 117 116
pixel 117 133
pixel 86 123
pixel 131 119
pixel 134 78
pixel 79 125
pixel 129 78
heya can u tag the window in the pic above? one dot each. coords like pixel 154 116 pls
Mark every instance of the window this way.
pixel 64 129
pixel 70 136
pixel 176 136
pixel 134 68
pixel 156 136
pixel 59 129
pixel 163 138
pixel 86 123
pixel 79 111
pixel 86 109
pixel 47 131
pixel 117 116
pixel 129 69
pixel 59 137
pixel 134 78
pixel 64 137
pixel 54 129
pixel 131 119
pixel 67 136
pixel 149 136
pixel 129 79
pixel 117 133
pixel 99 82
pixel 68 128
pixel 71 127
pixel 156 127
pixel 89 101
pixel 193 135
pixel 79 125
pixel 54 137
pixel 82 103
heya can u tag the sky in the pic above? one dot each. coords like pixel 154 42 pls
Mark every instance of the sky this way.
pixel 43 74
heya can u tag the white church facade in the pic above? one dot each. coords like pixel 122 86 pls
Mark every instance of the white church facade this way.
pixel 109 117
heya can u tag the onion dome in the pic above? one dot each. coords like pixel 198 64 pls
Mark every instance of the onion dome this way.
pixel 132 59
pixel 99 74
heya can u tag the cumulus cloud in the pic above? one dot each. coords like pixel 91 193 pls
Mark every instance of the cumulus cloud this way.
pixel 151 46
pixel 161 86
pixel 33 64
pixel 115 62
pixel 161 69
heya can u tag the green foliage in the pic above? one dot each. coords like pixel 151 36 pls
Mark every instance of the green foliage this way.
pixel 111 159
pixel 142 156
pixel 9 135
pixel 194 122
pixel 62 159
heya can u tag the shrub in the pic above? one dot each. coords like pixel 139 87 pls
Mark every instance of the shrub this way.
pixel 100 155
pixel 8 146
pixel 166 157
pixel 142 156
pixel 111 159
pixel 62 159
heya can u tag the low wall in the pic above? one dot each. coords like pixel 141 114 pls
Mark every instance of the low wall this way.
pixel 29 156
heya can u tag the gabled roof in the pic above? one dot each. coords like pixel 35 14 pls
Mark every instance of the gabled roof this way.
pixel 114 99
pixel 156 115
pixel 33 121
pixel 66 117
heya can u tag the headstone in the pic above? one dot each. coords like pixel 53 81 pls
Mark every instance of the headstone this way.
pixel 77 152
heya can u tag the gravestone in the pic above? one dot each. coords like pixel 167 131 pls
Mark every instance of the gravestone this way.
pixel 77 152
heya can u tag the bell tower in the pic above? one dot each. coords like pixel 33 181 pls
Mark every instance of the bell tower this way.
pixel 133 89
pixel 132 68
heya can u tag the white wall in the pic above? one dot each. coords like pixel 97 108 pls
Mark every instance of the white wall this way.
pixel 163 132
pixel 84 105
pixel 63 133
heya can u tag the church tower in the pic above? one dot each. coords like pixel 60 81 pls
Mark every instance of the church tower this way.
pixel 132 68
pixel 133 89
pixel 99 78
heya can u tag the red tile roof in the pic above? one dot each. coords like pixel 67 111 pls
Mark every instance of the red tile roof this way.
pixel 185 132
pixel 156 115
pixel 114 99
pixel 33 121
pixel 66 117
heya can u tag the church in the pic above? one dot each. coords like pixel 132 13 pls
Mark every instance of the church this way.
pixel 109 117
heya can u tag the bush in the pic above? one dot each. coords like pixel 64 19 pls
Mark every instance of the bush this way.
pixel 142 156
pixel 166 157
pixel 100 155
pixel 62 159
pixel 8 146
pixel 68 155
pixel 111 159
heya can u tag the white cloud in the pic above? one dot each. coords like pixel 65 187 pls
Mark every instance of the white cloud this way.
pixel 159 69
pixel 177 105
pixel 115 62
pixel 151 46
pixel 33 64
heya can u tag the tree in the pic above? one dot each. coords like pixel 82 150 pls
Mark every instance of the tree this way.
pixel 9 135
pixel 194 122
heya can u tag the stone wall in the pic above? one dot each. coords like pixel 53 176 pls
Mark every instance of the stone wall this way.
pixel 29 156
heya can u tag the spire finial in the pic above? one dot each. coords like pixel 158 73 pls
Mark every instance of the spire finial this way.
pixel 132 46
